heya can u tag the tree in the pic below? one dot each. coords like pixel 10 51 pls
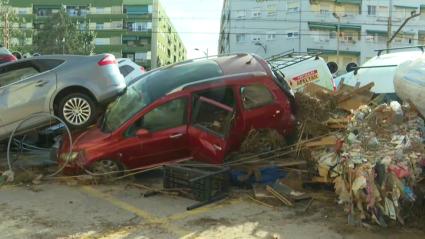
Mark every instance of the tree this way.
pixel 12 33
pixel 61 35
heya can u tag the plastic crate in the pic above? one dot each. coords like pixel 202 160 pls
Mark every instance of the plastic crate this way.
pixel 205 183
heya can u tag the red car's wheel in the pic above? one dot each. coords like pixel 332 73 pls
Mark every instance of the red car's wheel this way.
pixel 107 168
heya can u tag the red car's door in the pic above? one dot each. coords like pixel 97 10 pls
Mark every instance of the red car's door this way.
pixel 211 122
pixel 158 136
pixel 261 108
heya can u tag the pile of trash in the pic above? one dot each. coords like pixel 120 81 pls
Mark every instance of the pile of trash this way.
pixel 376 163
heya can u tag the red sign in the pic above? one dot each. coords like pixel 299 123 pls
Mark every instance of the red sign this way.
pixel 303 79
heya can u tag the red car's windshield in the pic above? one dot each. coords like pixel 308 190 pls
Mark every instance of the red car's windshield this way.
pixel 154 85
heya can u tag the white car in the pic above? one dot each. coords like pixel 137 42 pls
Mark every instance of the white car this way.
pixel 130 70
pixel 409 82
pixel 301 69
pixel 380 70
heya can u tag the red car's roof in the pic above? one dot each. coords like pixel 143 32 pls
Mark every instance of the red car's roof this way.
pixel 239 63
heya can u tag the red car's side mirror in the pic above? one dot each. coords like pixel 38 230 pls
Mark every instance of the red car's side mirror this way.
pixel 142 133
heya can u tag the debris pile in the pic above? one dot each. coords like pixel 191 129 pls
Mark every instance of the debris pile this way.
pixel 376 163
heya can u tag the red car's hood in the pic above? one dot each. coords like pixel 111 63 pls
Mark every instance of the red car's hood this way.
pixel 85 139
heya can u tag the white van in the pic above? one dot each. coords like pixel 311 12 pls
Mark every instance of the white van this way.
pixel 302 69
pixel 380 70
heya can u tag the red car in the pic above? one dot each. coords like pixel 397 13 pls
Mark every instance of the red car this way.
pixel 6 56
pixel 198 109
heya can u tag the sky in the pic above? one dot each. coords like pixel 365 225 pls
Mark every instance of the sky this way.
pixel 197 22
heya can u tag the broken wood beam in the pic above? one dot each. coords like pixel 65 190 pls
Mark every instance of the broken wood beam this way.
pixel 279 196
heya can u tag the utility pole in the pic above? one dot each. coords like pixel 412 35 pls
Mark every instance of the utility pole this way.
pixel 338 33
pixel 299 27
pixel 390 24
pixel 413 15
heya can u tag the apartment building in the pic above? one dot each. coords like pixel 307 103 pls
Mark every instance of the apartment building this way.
pixel 268 27
pixel 135 29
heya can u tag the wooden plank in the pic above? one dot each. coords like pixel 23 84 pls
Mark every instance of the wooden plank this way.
pixel 355 102
pixel 324 141
pixel 315 90
pixel 308 205
pixel 261 202
pixel 364 89
pixel 279 196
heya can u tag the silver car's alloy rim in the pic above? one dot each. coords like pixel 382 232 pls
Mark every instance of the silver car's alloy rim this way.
pixel 107 167
pixel 77 111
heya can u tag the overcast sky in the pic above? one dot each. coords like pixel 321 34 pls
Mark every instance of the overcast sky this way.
pixel 198 23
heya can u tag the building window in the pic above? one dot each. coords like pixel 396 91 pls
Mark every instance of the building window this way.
pixel 321 36
pixel 137 10
pixel 292 34
pixel 102 41
pixel 240 14
pixel 271 36
pixel 376 37
pixel 241 37
pixel 293 6
pixel 271 10
pixel 100 26
pixel 371 10
pixel 382 11
pixel 42 12
pixel 256 13
pixel 348 37
pixel 139 26
pixel 77 11
pixel 100 10
pixel 421 39
pixel 256 38
pixel 325 8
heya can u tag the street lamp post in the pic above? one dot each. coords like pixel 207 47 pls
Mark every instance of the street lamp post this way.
pixel 262 45
pixel 205 52
pixel 338 32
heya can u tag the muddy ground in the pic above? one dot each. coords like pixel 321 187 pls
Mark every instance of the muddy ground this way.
pixel 60 209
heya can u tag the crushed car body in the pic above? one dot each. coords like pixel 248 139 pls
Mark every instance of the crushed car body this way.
pixel 198 109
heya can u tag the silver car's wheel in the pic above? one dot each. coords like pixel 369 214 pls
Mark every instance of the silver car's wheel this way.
pixel 77 111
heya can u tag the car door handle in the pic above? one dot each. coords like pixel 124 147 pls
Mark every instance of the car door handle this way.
pixel 175 136
pixel 40 83
pixel 217 147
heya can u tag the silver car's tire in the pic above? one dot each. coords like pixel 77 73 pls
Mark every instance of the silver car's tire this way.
pixel 77 110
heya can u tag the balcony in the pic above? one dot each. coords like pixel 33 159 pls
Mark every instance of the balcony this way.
pixel 357 2
pixel 77 11
pixel 331 44
pixel 108 48
pixel 332 26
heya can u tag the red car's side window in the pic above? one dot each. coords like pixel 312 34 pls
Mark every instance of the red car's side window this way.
pixel 256 95
pixel 166 116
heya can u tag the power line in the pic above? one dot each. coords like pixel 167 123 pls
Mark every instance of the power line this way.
pixel 247 33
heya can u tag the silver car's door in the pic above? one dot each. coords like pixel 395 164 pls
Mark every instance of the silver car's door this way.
pixel 29 92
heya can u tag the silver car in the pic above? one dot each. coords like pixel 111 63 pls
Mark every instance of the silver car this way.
pixel 130 70
pixel 71 87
